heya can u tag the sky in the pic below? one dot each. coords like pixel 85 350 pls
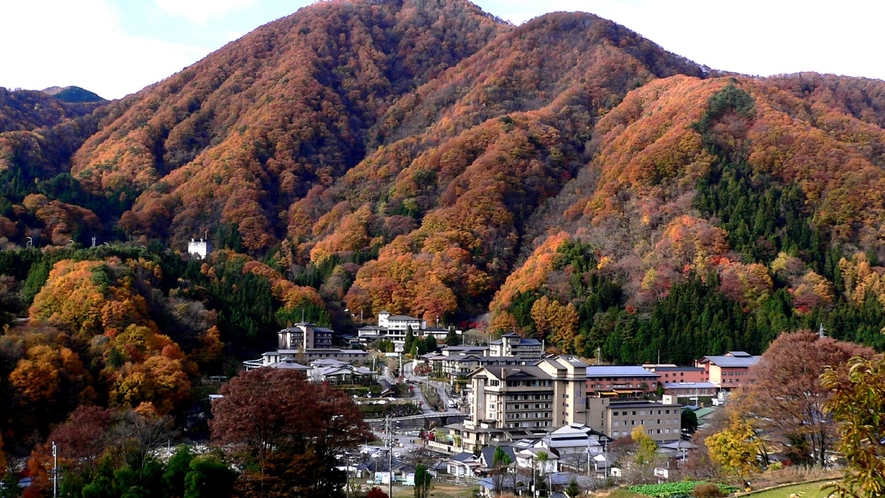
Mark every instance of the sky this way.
pixel 117 47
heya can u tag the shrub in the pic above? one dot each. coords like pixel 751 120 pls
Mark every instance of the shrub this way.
pixel 707 491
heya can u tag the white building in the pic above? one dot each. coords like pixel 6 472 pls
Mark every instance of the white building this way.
pixel 516 345
pixel 199 248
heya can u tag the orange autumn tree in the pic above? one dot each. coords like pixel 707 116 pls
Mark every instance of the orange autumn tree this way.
pixel 146 371
pixel 89 298
pixel 98 302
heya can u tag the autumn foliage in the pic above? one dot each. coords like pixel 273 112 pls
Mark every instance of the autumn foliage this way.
pixel 565 179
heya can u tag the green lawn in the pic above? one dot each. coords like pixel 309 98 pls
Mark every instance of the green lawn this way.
pixel 810 490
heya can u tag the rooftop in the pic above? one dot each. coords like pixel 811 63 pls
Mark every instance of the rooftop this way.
pixel 673 368
pixel 730 361
pixel 618 371
pixel 641 404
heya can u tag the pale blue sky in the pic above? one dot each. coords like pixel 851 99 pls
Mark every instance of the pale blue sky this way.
pixel 117 47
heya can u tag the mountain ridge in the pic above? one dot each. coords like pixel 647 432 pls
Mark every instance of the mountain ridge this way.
pixel 426 154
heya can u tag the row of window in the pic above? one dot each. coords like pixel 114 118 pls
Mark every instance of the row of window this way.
pixel 516 425
pixel 512 416
pixel 616 423
pixel 529 383
pixel 617 434
pixel 528 397
pixel 536 406
pixel 666 411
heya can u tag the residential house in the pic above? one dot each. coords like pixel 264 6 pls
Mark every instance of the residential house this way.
pixel 463 464
pixel 531 458
pixel 487 456
pixel 332 371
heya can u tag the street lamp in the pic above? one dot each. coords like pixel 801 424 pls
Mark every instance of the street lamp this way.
pixel 54 469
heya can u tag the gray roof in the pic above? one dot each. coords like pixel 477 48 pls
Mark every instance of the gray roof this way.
pixel 516 372
pixel 522 340
pixel 733 361
pixel 286 365
pixel 618 371
pixel 488 454
pixel 677 369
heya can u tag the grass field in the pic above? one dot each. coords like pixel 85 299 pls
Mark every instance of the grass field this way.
pixel 438 491
pixel 807 490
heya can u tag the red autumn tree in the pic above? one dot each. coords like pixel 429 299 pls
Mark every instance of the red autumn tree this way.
pixel 787 396
pixel 276 418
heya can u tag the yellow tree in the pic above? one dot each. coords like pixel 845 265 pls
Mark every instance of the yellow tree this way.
pixel 857 404
pixel 736 447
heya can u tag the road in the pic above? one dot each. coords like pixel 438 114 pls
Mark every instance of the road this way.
pixel 443 389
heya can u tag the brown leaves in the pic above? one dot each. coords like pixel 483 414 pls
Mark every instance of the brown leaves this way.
pixel 786 394
pixel 271 410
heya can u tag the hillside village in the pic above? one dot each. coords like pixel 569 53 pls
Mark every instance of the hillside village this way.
pixel 513 395
pixel 407 241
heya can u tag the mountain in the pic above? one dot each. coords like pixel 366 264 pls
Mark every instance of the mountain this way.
pixel 421 156
pixel 28 109
pixel 72 94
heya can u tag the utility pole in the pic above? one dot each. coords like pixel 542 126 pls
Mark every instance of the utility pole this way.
pixel 54 470
pixel 389 430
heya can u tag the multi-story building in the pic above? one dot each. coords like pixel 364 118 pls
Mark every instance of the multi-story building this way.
pixel 305 336
pixel 510 402
pixel 690 389
pixel 620 380
pixel 513 344
pixel 618 419
pixel 400 323
pixel 282 357
pixel 668 373
pixel 729 371
pixel 370 333
pixel 395 327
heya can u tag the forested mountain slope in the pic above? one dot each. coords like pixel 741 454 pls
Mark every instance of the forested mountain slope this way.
pixel 424 157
